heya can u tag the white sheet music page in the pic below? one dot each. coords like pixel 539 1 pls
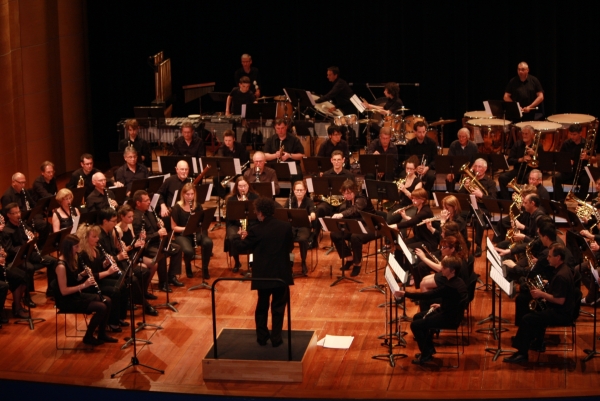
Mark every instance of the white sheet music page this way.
pixel 195 165
pixel 323 225
pixel 309 185
pixel 400 272
pixel 357 103
pixel 237 165
pixel 154 200
pixel 293 169
pixel 391 280
pixel 474 201
pixel 174 198
pixel 210 187
pixel 491 250
pixel 412 258
pixel 499 279
pixel 310 97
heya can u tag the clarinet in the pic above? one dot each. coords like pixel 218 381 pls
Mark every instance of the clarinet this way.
pixel 257 173
pixel 159 222
pixel 89 273
pixel 27 205
pixel 108 198
pixel 109 259
pixel 29 237
pixel 194 235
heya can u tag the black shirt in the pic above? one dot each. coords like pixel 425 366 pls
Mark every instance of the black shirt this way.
pixel 239 151
pixel 238 99
pixel 340 94
pixel 98 201
pixel 253 75
pixel 393 105
pixel 10 196
pixel 524 92
pixel 43 189
pixel 125 176
pixel 141 147
pixel 194 149
pixel 452 294
pixel 168 188
pixel 291 144
pixel 343 173
pixel 573 149
pixel 427 148
pixel 327 148
pixel 87 179
pixel 469 151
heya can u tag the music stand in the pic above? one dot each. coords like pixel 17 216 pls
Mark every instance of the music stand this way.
pixel 154 184
pixel 120 194
pixel 139 185
pixel 495 162
pixel 53 241
pixel 555 162
pixel 327 185
pixel 160 254
pixel 196 224
pixel 343 226
pixel 299 99
pixel 23 254
pixel 40 208
pixel 241 210
pixel 591 353
pixel 78 193
pixel 377 165
pixel 559 209
pixel 264 189
pixel 202 193
pixel 317 165
pixel 382 190
pixel 296 217
pixel 284 170
pixel 224 167
pixel 377 225
pixel 445 164
pixel 88 218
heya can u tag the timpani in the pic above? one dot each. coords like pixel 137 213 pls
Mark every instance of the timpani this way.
pixel 489 133
pixel 550 133
pixel 474 115
pixel 566 120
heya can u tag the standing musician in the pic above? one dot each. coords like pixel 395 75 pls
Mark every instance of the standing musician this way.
pixel 340 94
pixel 45 185
pixel 407 183
pixel 463 146
pixel 82 177
pixel 238 97
pixel 69 296
pixel 393 103
pixel 104 272
pixel 171 185
pixel 335 142
pixel 520 158
pixel 188 144
pixel 180 215
pixel 574 146
pixel 453 297
pixel 62 216
pixel 479 169
pixel 260 172
pixel 383 146
pixel 241 191
pixel 146 221
pixel 284 147
pixel 354 203
pixel 302 234
pixel 100 197
pixel 15 280
pixel 17 233
pixel 248 71
pixel 139 144
pixel 527 91
pixel 131 170
pixel 561 307
pixel 425 148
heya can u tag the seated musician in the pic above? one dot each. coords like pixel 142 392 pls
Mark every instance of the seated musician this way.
pixel 71 294
pixel 421 234
pixel 449 246
pixel 242 191
pixel 132 245
pixel 260 172
pixel 462 146
pixel 62 216
pixel 82 177
pixel 574 146
pixel 100 197
pixel 383 146
pixel 171 185
pixel 354 202
pixel 407 183
pixel 519 157
pixel 145 221
pixel 335 142
pixel 587 278
pixel 45 185
pixel 131 170
pixel 489 186
pixel 300 200
pixel 230 148
pixel 180 215
pixel 17 233
pixel 451 213
pixel 239 96
pixel 15 281
pixel 453 297
pixel 188 144
pixel 526 229
pixel 139 144
pixel 284 147
pixel 535 179
pixel 338 161
pixel 391 106
pixel 561 307
pixel 426 149
pixel 106 274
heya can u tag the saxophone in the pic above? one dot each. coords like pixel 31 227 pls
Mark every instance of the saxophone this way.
pixel 510 235
pixel 244 222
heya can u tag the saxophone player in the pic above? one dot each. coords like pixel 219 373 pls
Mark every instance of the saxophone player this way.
pixel 520 157
pixel 100 197
pixel 293 150
pixel 230 148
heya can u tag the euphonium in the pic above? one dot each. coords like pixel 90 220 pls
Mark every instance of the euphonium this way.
pixel 584 211
pixel 536 284
pixel 534 162
pixel 474 183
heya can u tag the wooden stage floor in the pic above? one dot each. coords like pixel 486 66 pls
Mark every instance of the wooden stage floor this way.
pixel 341 310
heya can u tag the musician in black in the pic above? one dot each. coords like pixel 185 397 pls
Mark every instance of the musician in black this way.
pixel 405 188
pixel 520 155
pixel 527 91
pixel 239 96
pixel 574 146
pixel 131 170
pixel 230 148
pixel 284 147
pixel 188 144
pixel 248 71
pixel 84 174
pixel 13 279
pixel 100 197
pixel 561 307
pixel 339 94
pixel 421 234
pixel 45 185
pixel 535 179
pixel 242 190
pixel 392 105
pixel 454 299
pixel 260 171
pixel 140 145
pixel 300 200
pixel 180 215
pixel 424 148
pixel 62 216
pixel 172 185
pixel 338 161
pixel 147 221
pixel 383 146
pixel 462 146
pixel 353 203
pixel 335 142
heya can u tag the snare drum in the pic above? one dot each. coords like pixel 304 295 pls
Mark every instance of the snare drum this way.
pixel 489 133
pixel 284 108
pixel 409 122
pixel 394 121
pixel 322 108
pixel 550 133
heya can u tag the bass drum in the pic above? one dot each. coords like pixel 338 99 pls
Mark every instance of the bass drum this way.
pixel 284 108
pixel 322 108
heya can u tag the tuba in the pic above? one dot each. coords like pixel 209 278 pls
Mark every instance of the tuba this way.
pixel 474 183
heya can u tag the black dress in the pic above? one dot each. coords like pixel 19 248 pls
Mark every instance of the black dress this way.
pixel 76 302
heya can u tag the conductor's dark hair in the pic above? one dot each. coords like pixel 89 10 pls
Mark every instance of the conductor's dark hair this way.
pixel 265 205
pixel 334 69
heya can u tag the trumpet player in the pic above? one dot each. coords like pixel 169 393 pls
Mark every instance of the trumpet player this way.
pixel 101 197
pixel 230 148
pixel 242 191
pixel 260 172
pixel 575 147
pixel 284 147
pixel 561 307
pixel 407 183
pixel 520 158
pixel 425 148
pixel 383 146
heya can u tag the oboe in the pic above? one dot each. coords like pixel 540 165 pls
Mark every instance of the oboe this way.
pixel 88 271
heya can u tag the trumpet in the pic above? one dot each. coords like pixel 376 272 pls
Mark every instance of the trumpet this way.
pixel 474 183
pixel 430 255
pixel 227 179
pixel 436 218
pixel 584 211
pixel 536 284
pixel 403 208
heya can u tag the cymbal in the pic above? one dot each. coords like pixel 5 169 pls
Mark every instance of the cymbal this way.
pixel 402 109
pixel 265 97
pixel 441 122
pixel 367 120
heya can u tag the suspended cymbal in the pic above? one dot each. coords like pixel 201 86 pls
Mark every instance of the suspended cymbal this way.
pixel 402 109
pixel 366 120
pixel 441 122
pixel 265 98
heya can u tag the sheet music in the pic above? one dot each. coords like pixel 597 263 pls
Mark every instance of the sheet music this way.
pixel 237 165
pixel 166 176
pixel 357 103
pixel 499 279
pixel 391 280
pixel 309 185
pixel 323 226
pixel 362 227
pixel 412 258
pixel 400 272
pixel 487 108
pixel 174 198
pixel 273 188
pixel 195 165
pixel 75 223
pixel 520 111
pixel 311 98
pixel 210 188
pixel 159 165
pixel 595 274
pixel 491 250
pixel 474 201
pixel 154 200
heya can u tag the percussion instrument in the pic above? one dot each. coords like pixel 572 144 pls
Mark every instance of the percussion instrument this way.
pixel 566 120
pixel 394 121
pixel 284 107
pixel 549 133
pixel 474 115
pixel 488 133
pixel 322 108
pixel 409 122
pixel 349 119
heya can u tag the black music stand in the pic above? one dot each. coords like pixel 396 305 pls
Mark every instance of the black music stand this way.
pixel 445 164
pixel 382 166
pixel 264 189
pixel 167 164
pixel 40 208
pixel 241 210
pixel 88 218
pixel 120 194
pixel 197 223
pixel 53 241
pixel 327 185
pixel 160 254
pixel 343 226
pixel 382 190
pixel 495 162
pixel 137 185
pixel 497 276
pixel 78 193
pixel 555 162
pixel 23 254
pixel 378 225
pixel 296 217
pixel 284 170
pixel 559 209
pixel 591 353
pixel 154 183
pixel 224 167
pixel 317 165
pixel 299 99
pixel 202 193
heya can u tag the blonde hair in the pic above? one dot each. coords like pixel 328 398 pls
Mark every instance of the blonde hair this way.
pixel 186 188
pixel 83 232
